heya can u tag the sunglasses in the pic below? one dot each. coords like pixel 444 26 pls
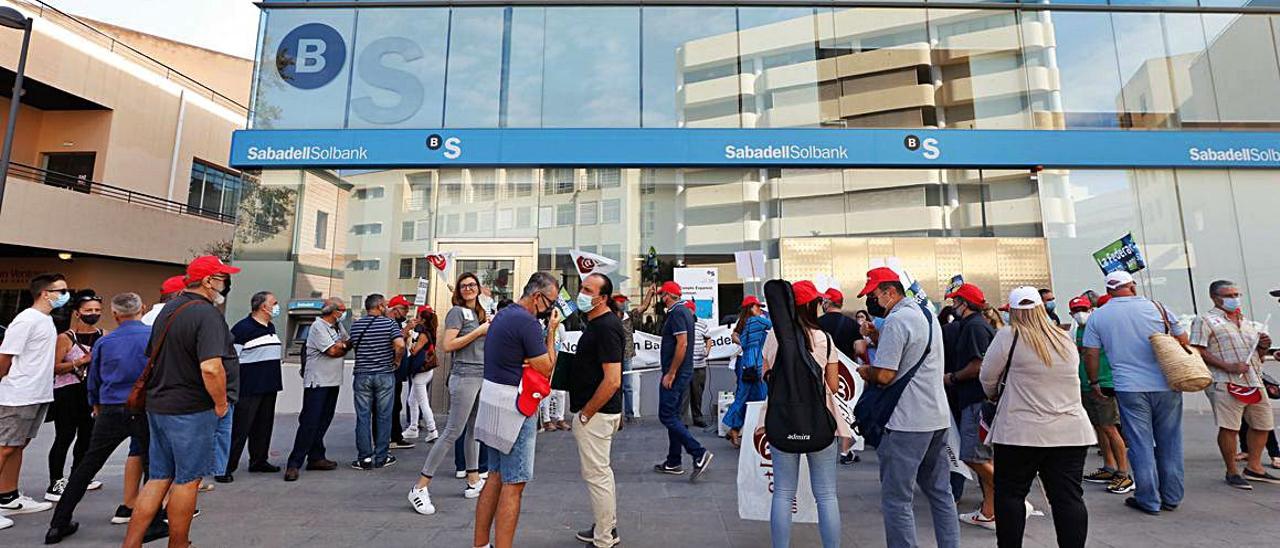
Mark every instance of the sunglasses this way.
pixel 87 298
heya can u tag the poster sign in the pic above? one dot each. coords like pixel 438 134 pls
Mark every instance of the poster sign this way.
pixel 955 283
pixel 420 298
pixel 1122 254
pixel 750 264
pixel 649 347
pixel 755 475
pixel 702 286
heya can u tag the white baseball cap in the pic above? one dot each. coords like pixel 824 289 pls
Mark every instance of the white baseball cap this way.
pixel 1118 278
pixel 1024 298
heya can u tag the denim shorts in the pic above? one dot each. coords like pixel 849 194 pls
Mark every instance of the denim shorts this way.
pixel 181 446
pixel 517 466
pixel 971 447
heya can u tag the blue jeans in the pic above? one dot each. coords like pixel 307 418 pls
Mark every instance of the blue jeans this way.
pixel 1152 426
pixel 373 393
pixel 919 458
pixel 181 447
pixel 517 466
pixel 628 390
pixel 678 435
pixel 786 479
pixel 222 441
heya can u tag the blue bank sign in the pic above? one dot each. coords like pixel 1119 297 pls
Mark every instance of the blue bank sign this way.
pixel 387 148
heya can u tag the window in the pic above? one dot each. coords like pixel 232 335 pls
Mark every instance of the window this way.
pixel 421 267
pixel 524 217
pixel 406 231
pixel 322 229
pixel 423 230
pixel 505 219
pixel 419 198
pixel 546 216
pixel 520 181
pixel 587 213
pixel 451 223
pixel 564 215
pixel 562 181
pixel 360 265
pixel 369 193
pixel 406 268
pixel 604 178
pixel 469 222
pixel 213 191
pixel 611 211
pixel 484 185
pixel 366 229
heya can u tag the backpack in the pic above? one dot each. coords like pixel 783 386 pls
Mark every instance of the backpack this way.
pixel 797 419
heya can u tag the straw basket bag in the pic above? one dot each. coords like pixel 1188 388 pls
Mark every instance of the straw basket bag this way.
pixel 1182 366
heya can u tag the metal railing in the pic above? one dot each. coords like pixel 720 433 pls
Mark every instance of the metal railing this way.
pixel 74 24
pixel 84 185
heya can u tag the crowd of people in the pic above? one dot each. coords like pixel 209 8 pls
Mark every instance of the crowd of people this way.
pixel 1026 393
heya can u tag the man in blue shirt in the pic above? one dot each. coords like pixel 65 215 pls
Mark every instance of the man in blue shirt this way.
pixel 379 346
pixel 677 370
pixel 118 360
pixel 1150 412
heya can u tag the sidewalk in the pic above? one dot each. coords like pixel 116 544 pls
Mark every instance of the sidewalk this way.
pixel 347 508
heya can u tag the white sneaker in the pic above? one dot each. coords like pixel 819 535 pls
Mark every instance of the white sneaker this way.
pixel 410 433
pixel 484 475
pixel 473 490
pixel 976 518
pixel 420 499
pixel 54 493
pixel 460 474
pixel 94 485
pixel 5 523
pixel 23 505
pixel 431 436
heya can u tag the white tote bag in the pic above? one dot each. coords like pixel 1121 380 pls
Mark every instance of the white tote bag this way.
pixel 755 476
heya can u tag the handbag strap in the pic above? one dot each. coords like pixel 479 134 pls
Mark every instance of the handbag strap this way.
pixel 1164 316
pixel 1008 363
pixel 164 332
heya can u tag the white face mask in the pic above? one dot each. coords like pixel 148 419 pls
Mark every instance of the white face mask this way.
pixel 1080 317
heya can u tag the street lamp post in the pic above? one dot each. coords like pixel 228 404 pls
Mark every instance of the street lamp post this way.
pixel 13 19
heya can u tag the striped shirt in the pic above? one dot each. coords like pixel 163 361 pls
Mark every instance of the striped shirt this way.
pixel 373 340
pixel 259 350
pixel 699 343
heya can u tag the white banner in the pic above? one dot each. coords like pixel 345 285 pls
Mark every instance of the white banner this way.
pixel 589 263
pixel 649 347
pixel 755 476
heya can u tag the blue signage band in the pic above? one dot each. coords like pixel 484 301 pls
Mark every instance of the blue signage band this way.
pixel 638 147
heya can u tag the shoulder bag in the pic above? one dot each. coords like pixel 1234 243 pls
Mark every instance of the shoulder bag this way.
pixel 1182 366
pixel 990 406
pixel 138 396
pixel 876 406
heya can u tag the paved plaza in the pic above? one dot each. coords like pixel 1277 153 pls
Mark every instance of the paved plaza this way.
pixel 350 508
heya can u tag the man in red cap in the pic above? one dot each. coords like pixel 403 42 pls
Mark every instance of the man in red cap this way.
pixel 965 342
pixel 676 359
pixel 170 288
pixel 913 448
pixel 1104 413
pixel 844 332
pixel 186 394
pixel 399 311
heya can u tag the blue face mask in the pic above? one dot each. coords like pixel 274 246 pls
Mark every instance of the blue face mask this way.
pixel 344 316
pixel 275 310
pixel 1231 304
pixel 1050 305
pixel 584 303
pixel 62 299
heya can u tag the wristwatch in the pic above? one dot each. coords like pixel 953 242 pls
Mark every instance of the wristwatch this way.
pixel 583 418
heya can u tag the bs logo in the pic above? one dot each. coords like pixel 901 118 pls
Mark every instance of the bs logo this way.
pixel 311 56
pixel 928 146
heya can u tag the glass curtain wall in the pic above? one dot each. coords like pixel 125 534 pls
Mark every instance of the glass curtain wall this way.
pixel 753 67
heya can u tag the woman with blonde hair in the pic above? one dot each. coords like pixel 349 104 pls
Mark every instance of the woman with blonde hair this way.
pixel 1039 427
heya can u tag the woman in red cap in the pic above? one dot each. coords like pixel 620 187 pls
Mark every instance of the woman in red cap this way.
pixel 423 351
pixel 752 328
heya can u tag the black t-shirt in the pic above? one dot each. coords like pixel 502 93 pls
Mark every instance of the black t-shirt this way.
pixel 198 333
pixel 965 340
pixel 603 341
pixel 842 329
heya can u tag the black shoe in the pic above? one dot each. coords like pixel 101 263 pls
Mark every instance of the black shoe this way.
pixel 589 536
pixel 391 460
pixel 849 458
pixel 1168 507
pixel 362 464
pixel 123 515
pixel 159 529
pixel 1133 503
pixel 400 445
pixel 665 468
pixel 56 534
pixel 264 467
pixel 700 465
pixel 700 423
pixel 228 478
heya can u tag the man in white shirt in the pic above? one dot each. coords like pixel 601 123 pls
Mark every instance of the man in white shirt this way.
pixel 168 289
pixel 26 387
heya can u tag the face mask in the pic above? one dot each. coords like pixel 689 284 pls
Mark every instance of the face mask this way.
pixel 1050 305
pixel 275 310
pixel 1080 317
pixel 584 303
pixel 62 300
pixel 545 314
pixel 226 288
pixel 345 314
pixel 1231 304
pixel 90 319
pixel 874 308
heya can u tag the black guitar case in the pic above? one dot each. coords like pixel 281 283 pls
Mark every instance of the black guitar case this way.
pixel 797 419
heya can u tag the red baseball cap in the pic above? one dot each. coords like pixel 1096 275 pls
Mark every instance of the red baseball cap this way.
pixel 424 308
pixel 969 292
pixel 805 292
pixel 877 276
pixel 173 285
pixel 750 300
pixel 1079 303
pixel 208 265
pixel 1004 307
pixel 1104 299
pixel 399 300
pixel 620 298
pixel 692 306
pixel 534 386
pixel 834 295
pixel 671 288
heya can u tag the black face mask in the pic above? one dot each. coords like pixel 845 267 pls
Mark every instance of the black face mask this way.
pixel 226 287
pixel 874 308
pixel 545 314
pixel 90 319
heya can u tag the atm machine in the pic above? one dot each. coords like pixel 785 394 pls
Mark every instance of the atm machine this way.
pixel 302 313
